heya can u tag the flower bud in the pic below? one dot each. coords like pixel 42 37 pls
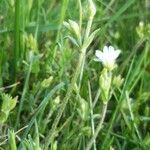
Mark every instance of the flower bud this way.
pixel 86 131
pixel 117 81
pixel 140 29
pixel 46 82
pixel 54 103
pixel 75 28
pixel 105 85
pixel 31 42
pixel 92 8
pixel 83 109
pixel 124 104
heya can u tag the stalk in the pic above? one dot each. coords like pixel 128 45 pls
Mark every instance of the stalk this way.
pixel 87 33
pixel 23 96
pixel 62 16
pixel 17 37
pixel 88 28
pixel 92 117
pixel 99 127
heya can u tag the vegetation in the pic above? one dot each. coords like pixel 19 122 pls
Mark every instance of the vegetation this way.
pixel 54 95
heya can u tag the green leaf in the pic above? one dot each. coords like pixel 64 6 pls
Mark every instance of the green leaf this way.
pixel 3 117
pixel 89 40
pixel 12 140
pixel 8 103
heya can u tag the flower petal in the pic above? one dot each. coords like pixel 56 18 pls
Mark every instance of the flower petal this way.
pixel 111 49
pixel 116 54
pixel 105 50
pixel 108 56
pixel 99 55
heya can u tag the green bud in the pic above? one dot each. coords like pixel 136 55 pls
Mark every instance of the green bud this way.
pixel 124 105
pixel 57 100
pixel 73 27
pixel 46 82
pixel 143 30
pixel 92 8
pixel 83 109
pixel 31 42
pixel 117 81
pixel 116 35
pixel 86 131
pixel 105 85
pixel 140 29
pixel 54 103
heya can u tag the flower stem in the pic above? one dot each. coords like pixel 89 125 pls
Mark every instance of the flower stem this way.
pixel 21 102
pixel 17 38
pixel 92 117
pixel 87 33
pixel 99 127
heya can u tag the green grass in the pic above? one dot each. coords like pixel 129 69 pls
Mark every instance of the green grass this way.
pixel 52 74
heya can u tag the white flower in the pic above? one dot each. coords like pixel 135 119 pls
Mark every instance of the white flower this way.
pixel 108 56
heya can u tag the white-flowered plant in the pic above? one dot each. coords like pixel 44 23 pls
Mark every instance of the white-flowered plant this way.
pixel 108 57
pixel 106 82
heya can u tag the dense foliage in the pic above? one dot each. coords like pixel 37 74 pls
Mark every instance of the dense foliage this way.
pixel 50 83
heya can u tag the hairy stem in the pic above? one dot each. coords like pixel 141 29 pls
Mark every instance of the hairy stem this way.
pixel 78 71
pixel 99 127
pixel 92 116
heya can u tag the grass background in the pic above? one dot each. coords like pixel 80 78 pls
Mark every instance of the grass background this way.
pixel 34 26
